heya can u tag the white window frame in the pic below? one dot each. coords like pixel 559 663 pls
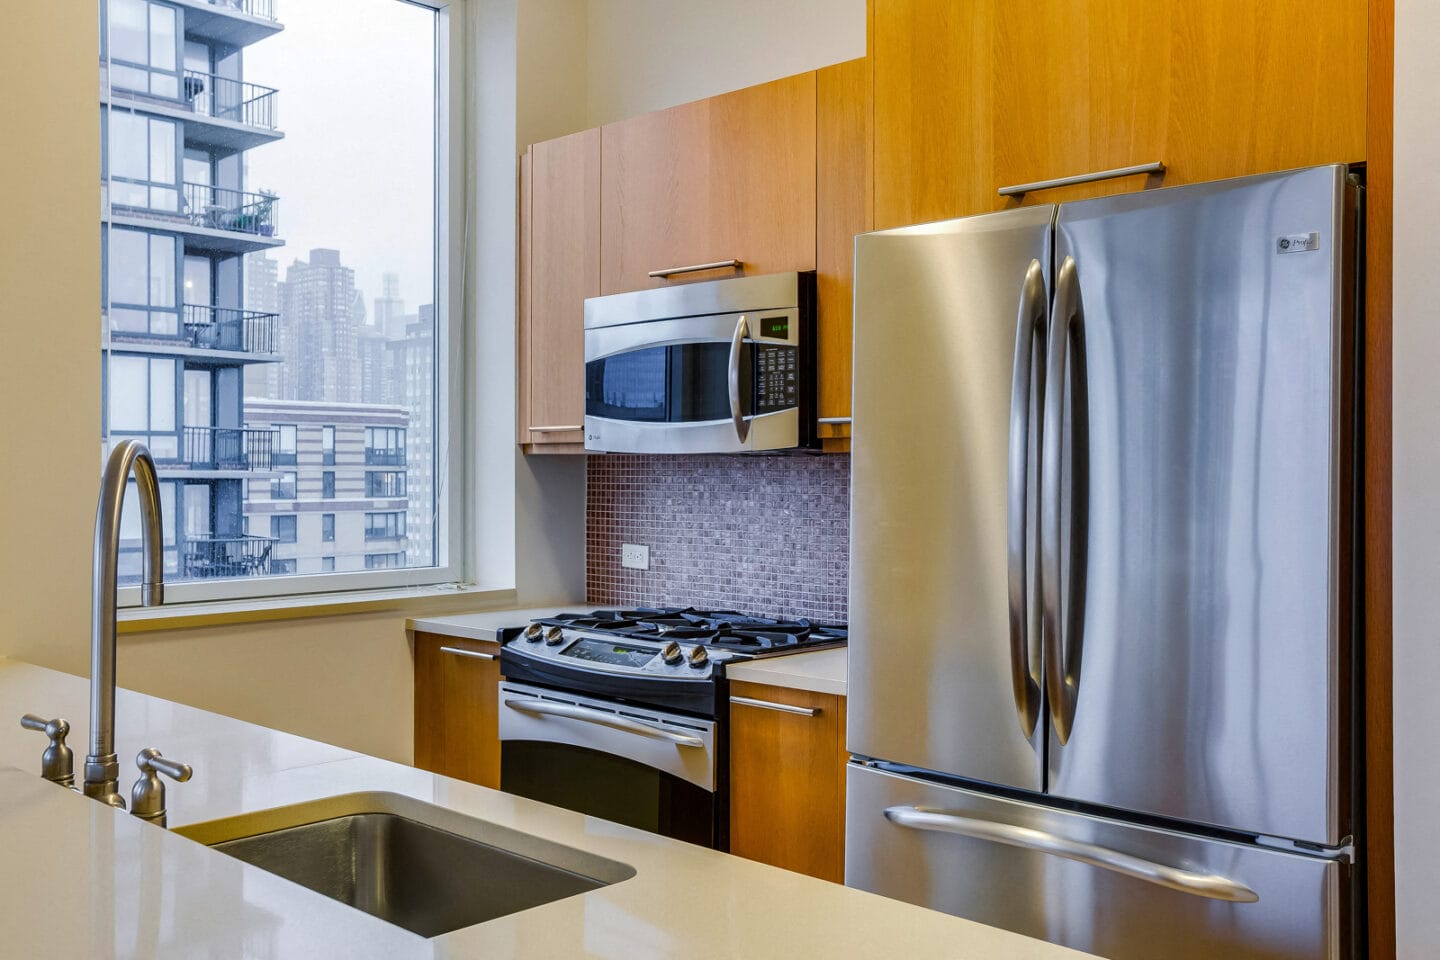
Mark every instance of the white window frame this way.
pixel 454 543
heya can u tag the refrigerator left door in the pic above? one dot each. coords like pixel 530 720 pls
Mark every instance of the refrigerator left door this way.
pixel 933 679
pixel 1134 893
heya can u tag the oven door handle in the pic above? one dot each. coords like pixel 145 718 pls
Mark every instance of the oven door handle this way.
pixel 573 711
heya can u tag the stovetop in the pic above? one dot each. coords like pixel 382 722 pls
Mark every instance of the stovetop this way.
pixel 737 633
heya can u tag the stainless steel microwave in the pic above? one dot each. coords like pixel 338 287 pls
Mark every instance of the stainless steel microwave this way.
pixel 725 366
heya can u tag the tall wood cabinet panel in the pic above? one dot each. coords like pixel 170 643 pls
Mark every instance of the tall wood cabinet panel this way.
pixel 787 779
pixel 457 685
pixel 560 268
pixel 845 197
pixel 730 177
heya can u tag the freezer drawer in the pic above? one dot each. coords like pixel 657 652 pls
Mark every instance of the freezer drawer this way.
pixel 1134 893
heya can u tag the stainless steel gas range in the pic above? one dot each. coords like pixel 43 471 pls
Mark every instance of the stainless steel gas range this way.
pixel 623 714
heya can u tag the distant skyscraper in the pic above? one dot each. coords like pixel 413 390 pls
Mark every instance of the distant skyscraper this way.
pixel 411 375
pixel 320 331
pixel 262 294
pixel 389 319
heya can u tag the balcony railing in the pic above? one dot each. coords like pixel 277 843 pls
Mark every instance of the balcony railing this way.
pixel 221 208
pixel 376 457
pixel 264 9
pixel 228 328
pixel 228 448
pixel 224 98
pixel 242 555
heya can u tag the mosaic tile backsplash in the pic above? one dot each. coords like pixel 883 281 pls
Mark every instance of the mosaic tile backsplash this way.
pixel 766 535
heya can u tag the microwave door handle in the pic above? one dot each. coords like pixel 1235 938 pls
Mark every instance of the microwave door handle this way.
pixel 1029 326
pixel 573 711
pixel 1212 886
pixel 737 341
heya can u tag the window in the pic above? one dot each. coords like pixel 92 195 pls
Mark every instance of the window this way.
pixel 384 526
pixel 285 444
pixel 239 335
pixel 385 446
pixel 283 486
pixel 282 527
pixel 384 483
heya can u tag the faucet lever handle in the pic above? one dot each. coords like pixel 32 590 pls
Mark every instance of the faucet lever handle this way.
pixel 147 797
pixel 57 764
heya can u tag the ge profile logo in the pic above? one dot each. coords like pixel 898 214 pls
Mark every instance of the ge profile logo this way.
pixel 1297 243
pixel 1284 243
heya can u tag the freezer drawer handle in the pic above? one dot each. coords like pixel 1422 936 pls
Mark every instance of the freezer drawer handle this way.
pixel 476 654
pixel 573 711
pixel 1020 189
pixel 1212 886
pixel 1029 327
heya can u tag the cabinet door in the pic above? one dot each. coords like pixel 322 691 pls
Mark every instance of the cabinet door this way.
pixel 727 178
pixel 562 261
pixel 457 685
pixel 787 778
pixel 844 191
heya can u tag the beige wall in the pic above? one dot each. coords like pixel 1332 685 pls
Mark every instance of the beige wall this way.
pixel 1417 479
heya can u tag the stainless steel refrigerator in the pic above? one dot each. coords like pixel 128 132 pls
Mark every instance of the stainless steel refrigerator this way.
pixel 1101 577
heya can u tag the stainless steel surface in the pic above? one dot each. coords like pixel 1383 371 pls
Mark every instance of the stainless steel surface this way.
pixel 781 707
pixel 1218 541
pixel 1212 886
pixel 102 768
pixel 1139 168
pixel 832 419
pixel 1025 392
pixel 560 429
pixel 930 652
pixel 774 291
pixel 57 763
pixel 472 654
pixel 737 413
pixel 1064 603
pixel 147 797
pixel 673 753
pixel 1295 914
pixel 612 719
pixel 697 268
pixel 770 431
pixel 421 867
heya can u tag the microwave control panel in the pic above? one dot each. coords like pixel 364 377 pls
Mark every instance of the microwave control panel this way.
pixel 777 372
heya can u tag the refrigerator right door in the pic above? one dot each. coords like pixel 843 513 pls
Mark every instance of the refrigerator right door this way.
pixel 1201 540
pixel 1108 888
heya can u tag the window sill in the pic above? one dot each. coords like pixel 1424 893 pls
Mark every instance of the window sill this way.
pixel 432 600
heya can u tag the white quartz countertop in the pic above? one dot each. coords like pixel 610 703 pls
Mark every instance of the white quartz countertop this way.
pixel 485 626
pixel 80 879
pixel 822 671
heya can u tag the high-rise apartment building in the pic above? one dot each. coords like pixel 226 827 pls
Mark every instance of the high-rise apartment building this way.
pixel 339 499
pixel 262 294
pixel 411 374
pixel 178 115
pixel 320 331
pixel 389 318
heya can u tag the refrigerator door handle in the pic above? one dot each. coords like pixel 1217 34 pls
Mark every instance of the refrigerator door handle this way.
pixel 1212 886
pixel 1064 629
pixel 1030 321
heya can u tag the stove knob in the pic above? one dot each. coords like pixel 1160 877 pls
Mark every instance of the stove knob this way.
pixel 554 636
pixel 534 632
pixel 671 653
pixel 699 656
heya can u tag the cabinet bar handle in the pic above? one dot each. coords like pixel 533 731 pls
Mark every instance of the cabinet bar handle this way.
pixel 1024 188
pixel 560 429
pixel 782 707
pixel 832 419
pixel 461 652
pixel 697 268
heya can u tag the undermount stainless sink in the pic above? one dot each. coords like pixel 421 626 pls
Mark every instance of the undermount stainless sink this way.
pixel 411 863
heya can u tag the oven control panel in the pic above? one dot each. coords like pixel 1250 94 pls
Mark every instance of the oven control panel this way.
pixel 658 659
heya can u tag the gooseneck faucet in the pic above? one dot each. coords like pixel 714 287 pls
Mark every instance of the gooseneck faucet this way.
pixel 102 768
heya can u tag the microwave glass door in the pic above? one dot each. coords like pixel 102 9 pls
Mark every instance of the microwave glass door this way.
pixel 678 383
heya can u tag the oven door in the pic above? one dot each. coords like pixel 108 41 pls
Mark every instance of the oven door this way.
pixel 645 768
pixel 723 383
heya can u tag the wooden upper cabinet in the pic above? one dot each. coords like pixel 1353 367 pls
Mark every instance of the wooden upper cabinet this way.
pixel 560 267
pixel 844 189
pixel 727 178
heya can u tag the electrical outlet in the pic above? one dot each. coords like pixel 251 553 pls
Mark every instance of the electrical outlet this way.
pixel 634 556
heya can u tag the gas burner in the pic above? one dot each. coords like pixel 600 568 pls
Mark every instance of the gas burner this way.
pixel 740 634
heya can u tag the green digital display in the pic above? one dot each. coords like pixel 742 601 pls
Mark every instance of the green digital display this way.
pixel 777 327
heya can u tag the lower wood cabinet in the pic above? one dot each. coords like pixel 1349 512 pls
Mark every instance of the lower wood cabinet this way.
pixel 787 778
pixel 456 699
